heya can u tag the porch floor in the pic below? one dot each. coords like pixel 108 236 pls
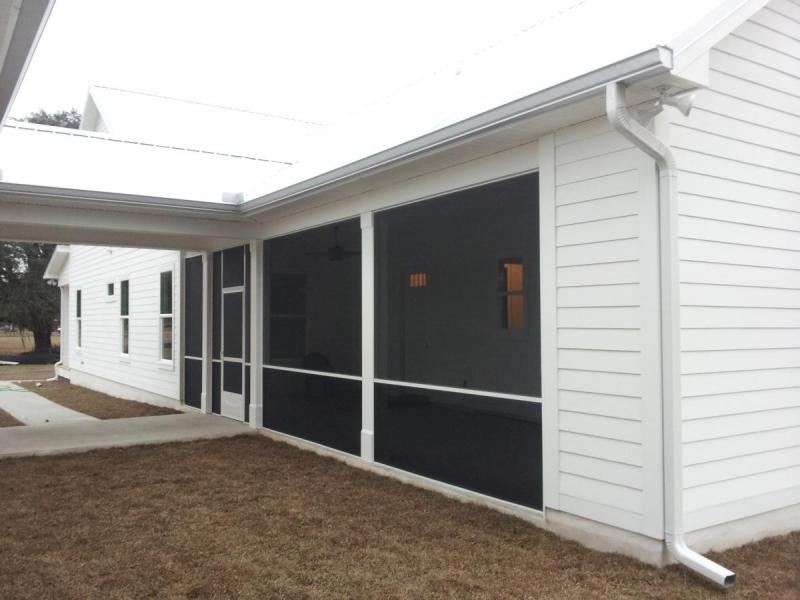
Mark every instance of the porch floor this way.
pixel 91 434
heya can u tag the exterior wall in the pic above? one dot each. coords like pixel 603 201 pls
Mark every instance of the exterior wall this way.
pixel 601 387
pixel 91 268
pixel 739 185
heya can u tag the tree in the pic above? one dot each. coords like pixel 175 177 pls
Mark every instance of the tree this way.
pixel 27 301
pixel 63 118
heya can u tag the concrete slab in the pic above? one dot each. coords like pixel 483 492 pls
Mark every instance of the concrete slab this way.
pixel 81 436
pixel 32 409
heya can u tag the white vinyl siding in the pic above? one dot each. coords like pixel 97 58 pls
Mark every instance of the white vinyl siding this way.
pixel 91 268
pixel 739 185
pixel 609 457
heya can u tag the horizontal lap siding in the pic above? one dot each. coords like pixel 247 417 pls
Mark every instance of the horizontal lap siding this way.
pixel 739 204
pixel 91 269
pixel 609 465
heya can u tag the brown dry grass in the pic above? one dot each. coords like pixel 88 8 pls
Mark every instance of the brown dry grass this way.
pixel 26 372
pixel 6 420
pixel 248 517
pixel 13 343
pixel 96 404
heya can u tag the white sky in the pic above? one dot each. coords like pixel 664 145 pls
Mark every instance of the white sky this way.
pixel 302 58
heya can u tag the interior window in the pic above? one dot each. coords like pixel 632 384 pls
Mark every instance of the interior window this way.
pixel 512 300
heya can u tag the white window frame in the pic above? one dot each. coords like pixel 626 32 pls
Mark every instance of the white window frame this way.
pixel 163 316
pixel 123 321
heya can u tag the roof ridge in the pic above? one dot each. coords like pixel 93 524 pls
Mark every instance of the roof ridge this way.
pixel 210 104
pixel 53 129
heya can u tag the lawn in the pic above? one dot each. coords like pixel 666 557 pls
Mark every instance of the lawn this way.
pixel 14 343
pixel 249 517
pixel 96 404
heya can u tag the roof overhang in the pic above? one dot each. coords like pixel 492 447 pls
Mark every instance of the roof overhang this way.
pixel 57 262
pixel 647 64
pixel 21 25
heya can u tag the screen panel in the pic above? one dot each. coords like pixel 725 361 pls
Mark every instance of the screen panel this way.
pixel 193 381
pixel 233 324
pixel 216 305
pixel 488 445
pixel 216 385
pixel 312 300
pixel 457 290
pixel 193 306
pixel 325 410
pixel 232 380
pixel 233 267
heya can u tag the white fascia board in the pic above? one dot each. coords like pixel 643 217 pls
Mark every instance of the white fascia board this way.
pixel 57 262
pixel 28 26
pixel 698 40
pixel 646 64
pixel 111 200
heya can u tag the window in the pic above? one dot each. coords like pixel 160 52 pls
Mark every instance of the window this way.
pixel 512 301
pixel 165 315
pixel 124 315
pixel 110 289
pixel 79 318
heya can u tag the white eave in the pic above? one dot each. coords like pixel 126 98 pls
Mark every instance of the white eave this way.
pixel 57 262
pixel 21 24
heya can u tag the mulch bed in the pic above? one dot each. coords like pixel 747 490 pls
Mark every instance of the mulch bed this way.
pixel 249 517
pixel 96 404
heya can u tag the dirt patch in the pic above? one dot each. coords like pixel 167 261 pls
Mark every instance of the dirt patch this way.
pixel 248 517
pixel 6 420
pixel 96 404
pixel 26 372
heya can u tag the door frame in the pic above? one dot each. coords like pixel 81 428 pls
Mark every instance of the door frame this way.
pixel 234 403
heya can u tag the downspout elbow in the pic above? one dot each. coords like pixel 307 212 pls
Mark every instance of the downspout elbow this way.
pixel 698 563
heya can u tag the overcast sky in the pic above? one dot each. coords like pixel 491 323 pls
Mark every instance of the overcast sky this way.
pixel 308 59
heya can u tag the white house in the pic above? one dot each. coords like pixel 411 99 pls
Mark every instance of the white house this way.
pixel 567 288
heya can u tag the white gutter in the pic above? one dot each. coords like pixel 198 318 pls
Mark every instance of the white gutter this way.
pixel 672 422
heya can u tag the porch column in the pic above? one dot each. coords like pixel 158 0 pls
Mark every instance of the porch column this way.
pixel 208 290
pixel 63 344
pixel 256 331
pixel 367 337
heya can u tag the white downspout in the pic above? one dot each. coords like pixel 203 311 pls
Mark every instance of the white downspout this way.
pixel 621 120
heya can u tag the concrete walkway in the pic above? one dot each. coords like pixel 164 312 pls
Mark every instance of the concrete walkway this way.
pixel 83 435
pixel 32 409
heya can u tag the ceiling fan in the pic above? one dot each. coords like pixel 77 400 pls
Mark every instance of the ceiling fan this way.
pixel 337 251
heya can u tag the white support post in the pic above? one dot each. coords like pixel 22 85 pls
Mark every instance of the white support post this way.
pixel 548 318
pixel 256 329
pixel 208 290
pixel 367 337
pixel 179 350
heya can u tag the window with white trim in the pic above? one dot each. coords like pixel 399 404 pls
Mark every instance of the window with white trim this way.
pixel 165 315
pixel 78 316
pixel 124 316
